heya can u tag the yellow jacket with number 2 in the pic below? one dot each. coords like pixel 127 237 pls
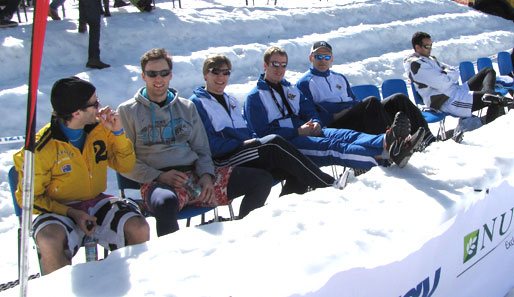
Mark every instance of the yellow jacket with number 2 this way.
pixel 62 173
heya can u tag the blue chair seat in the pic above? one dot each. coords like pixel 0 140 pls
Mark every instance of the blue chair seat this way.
pixel 433 116
pixel 363 91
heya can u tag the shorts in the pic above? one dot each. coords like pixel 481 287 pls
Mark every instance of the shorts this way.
pixel 220 182
pixel 111 215
pixel 460 104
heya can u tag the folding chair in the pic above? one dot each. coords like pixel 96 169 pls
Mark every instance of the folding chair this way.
pixel 179 3
pixel 431 115
pixel 187 212
pixel 467 71
pixel 363 91
pixel 503 83
pixel 393 86
pixel 483 62
pixel 13 184
pixel 505 64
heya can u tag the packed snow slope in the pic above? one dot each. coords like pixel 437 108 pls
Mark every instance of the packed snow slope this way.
pixel 294 244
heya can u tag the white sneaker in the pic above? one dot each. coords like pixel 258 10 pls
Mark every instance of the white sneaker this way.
pixel 341 182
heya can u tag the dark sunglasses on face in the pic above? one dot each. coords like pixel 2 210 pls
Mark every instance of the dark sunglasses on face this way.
pixel 427 46
pixel 215 71
pixel 278 64
pixel 154 73
pixel 94 104
pixel 321 57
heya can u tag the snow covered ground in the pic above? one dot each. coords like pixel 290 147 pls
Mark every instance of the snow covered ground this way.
pixel 294 244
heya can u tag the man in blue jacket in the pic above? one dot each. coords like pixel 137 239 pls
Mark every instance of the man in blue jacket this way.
pixel 337 106
pixel 233 143
pixel 275 106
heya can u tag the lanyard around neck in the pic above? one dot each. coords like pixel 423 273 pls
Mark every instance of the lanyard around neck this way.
pixel 284 101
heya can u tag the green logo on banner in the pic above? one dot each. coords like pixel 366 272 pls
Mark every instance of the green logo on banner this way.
pixel 470 245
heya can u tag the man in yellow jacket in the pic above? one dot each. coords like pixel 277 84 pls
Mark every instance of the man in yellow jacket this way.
pixel 70 174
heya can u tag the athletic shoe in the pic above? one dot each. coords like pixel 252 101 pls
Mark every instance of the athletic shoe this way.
pixel 120 3
pixel 7 24
pixel 53 14
pixel 397 134
pixel 458 136
pixel 341 182
pixel 427 140
pixel 490 99
pixel 97 64
pixel 408 147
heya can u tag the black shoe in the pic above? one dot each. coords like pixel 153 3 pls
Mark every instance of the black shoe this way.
pixel 107 13
pixel 82 27
pixel 120 3
pixel 409 147
pixel 53 14
pixel 397 134
pixel 427 140
pixel 490 99
pixel 294 186
pixel 399 144
pixel 7 24
pixel 97 64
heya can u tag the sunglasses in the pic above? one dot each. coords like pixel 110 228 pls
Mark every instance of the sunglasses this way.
pixel 154 73
pixel 427 46
pixel 225 72
pixel 94 104
pixel 278 64
pixel 321 57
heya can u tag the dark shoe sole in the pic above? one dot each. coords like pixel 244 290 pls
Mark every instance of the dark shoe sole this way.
pixel 413 148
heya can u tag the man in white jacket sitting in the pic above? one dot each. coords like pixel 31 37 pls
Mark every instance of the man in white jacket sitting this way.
pixel 437 84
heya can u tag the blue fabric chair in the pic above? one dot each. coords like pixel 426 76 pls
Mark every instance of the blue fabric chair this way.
pixel 502 88
pixel 431 115
pixel 505 63
pixel 13 184
pixel 483 62
pixel 363 91
pixel 467 71
pixel 393 86
pixel 187 212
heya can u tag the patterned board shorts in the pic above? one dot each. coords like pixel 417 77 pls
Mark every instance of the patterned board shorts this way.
pixel 220 183
pixel 111 215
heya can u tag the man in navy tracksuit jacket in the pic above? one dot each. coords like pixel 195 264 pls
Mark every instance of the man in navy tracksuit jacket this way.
pixel 275 106
pixel 233 143
pixel 337 106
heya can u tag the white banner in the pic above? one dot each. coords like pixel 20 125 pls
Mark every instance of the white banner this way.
pixel 474 257
pixel 12 139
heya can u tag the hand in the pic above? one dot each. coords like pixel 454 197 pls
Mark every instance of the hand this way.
pixel 316 129
pixel 82 218
pixel 173 178
pixel 310 128
pixel 110 119
pixel 208 194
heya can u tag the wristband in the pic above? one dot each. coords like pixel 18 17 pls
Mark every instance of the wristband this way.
pixel 118 132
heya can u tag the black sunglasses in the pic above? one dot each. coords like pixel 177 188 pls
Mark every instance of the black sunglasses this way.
pixel 154 73
pixel 94 104
pixel 427 46
pixel 215 71
pixel 278 64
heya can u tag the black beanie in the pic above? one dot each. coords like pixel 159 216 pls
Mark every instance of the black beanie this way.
pixel 70 94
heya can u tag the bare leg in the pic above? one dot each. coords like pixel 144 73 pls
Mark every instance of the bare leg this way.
pixel 136 231
pixel 51 241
